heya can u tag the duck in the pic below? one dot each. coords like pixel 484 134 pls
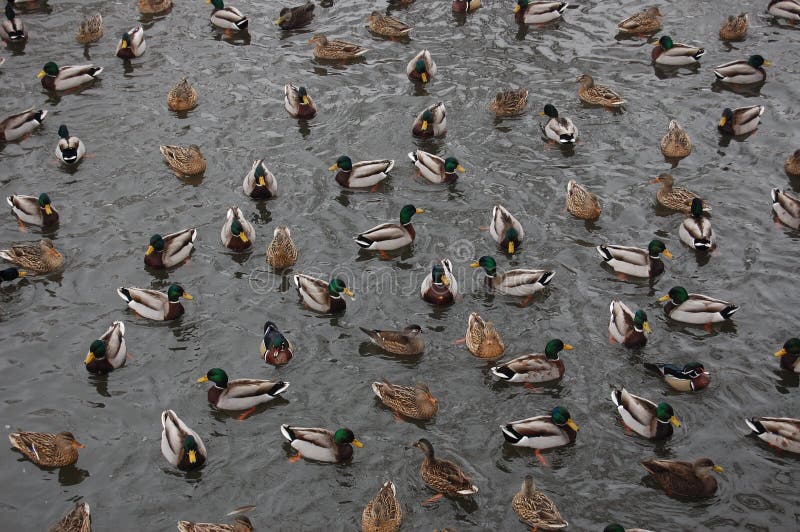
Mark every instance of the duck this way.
pixel 465 6
pixel 388 26
pixel 282 251
pixel 743 72
pixel 407 341
pixel 779 432
pixel 535 508
pixel 674 54
pixel 616 527
pixel 17 126
pixel 684 479
pixel 440 287
pixel 734 28
pixel 786 207
pixel 240 394
pixel 696 231
pixel 506 229
pixel 10 274
pixel 237 233
pixel 33 210
pixel 180 445
pixel 555 429
pixel 788 10
pixel 627 327
pixel 434 168
pixel 696 308
pixel 241 523
pixel 36 257
pixel 226 17
pixel 792 164
pixel 690 377
pixel 482 339
pixel 363 174
pixel 90 30
pixel 154 7
pixel 517 282
pixel 383 512
pixel 675 198
pixel 581 203
pixel 70 149
pixel 443 476
pixel 390 236
pixel 676 143
pixel 636 262
pixel 644 417
pixel 322 445
pixel 67 77
pixel 431 122
pixel 182 96
pixel 415 402
pixel 109 352
pixel 297 102
pixel 527 12
pixel 335 49
pixel 78 519
pixel 740 121
pixel 275 348
pixel 132 44
pixel 592 94
pixel 184 160
pixel 790 355
pixel 45 449
pixel 322 296
pixel 647 21
pixel 421 67
pixel 535 367
pixel 155 305
pixel 558 129
pixel 259 183
pixel 170 250
pixel 12 29
pixel 291 18
pixel 510 102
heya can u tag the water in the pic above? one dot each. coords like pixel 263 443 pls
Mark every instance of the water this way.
pixel 116 199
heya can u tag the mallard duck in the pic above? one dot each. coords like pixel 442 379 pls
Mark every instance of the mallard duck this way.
pixel 616 527
pixel 132 44
pixel 443 476
pixel 696 231
pixel 389 27
pixel 153 7
pixel 182 97
pixel 536 509
pixel 676 144
pixel 535 367
pixel 322 296
pixel 740 121
pixel 259 183
pixel 627 327
pixel 672 197
pixel 90 30
pixel 237 233
pixel 509 102
pixel 555 429
pixel 180 445
pixel 517 282
pixel 47 450
pixel 684 479
pixel 383 512
pixel 558 129
pixel 743 72
pixel 593 94
pixel 240 394
pixel 464 6
pixel 281 252
pixel 780 432
pixel 37 257
pixel 291 18
pixel 241 523
pixel 170 250
pixel 322 444
pixel 70 149
pixel 636 262
pixel 644 417
pixel 441 286
pixel 155 305
pixel 184 160
pixel 226 17
pixel 79 519
pixel 734 28
pixel 790 355
pixel 431 122
pixel 67 77
pixel 297 102
pixel 647 21
pixel 434 168
pixel 581 203
pixel 421 67
pixel 506 229
pixel 482 339
pixel 109 352
pixel 363 174
pixel 785 9
pixel 335 49
pixel 688 378
pixel 668 53
pixel 33 210
pixel 390 236
pixel 415 401
pixel 696 308
pixel 9 274
pixel 275 348
pixel 406 342
pixel 528 12
pixel 17 126
pixel 786 207
pixel 12 29
pixel 792 164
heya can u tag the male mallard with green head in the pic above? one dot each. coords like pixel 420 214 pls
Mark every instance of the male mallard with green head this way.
pixel 518 282
pixel 434 168
pixel 441 286
pixel 644 417
pixel 555 429
pixel 322 296
pixel 363 174
pixel 240 394
pixel 170 250
pixel 627 327
pixel 67 77
pixel 790 355
pixel 33 210
pixel 696 308
pixel 155 305
pixel 535 367
pixel 390 236
pixel 180 445
pixel 322 445
pixel 109 352
pixel 636 262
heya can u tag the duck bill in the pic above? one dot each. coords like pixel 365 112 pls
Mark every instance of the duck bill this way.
pixel 646 327
pixel 203 379
pixel 350 293
pixel 358 444
pixel 723 121
pixel 568 347
pixel 78 445
pixel 48 210
pixel 150 249
pixel 445 280
pixel 475 264
pixel 424 125
pixel 655 181
pixel 667 254
pixel 460 168
pixel 424 77
pixel 516 8
pixel 21 273
pixel 243 238
pixel 511 247
pixel 333 167
pixel 305 100
pixel 571 424
pixel 419 211
pixel 280 19
pixel 188 296
pixel 193 457
pixel 781 353
pixel 664 298
pixel 718 469
pixel 674 421
pixel 89 358
pixel 123 44
pixel 41 74
pixel 261 181
pixel 767 63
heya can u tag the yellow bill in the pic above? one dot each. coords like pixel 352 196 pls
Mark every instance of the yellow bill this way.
pixel 718 469
pixel 568 347
pixel 445 280
pixel 306 100
pixel 511 247
pixel 646 327
pixel 358 443
pixel 187 296
pixel 349 292
pixel 89 358
pixel 41 74
pixel 516 8
pixel 424 125
pixel 424 77
pixel 124 44
pixel 280 19
pixel 22 273
pixel 674 421
pixel 333 167
pixel 571 424
pixel 780 353
pixel 48 209
pixel 202 379
pixel 243 237
pixel 460 168
pixel 475 264
pixel 261 181
pixel 664 298
pixel 150 249
pixel 192 457
pixel 667 254
pixel 723 121
pixel 419 211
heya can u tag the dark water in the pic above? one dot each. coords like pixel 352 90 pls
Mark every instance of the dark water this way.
pixel 117 198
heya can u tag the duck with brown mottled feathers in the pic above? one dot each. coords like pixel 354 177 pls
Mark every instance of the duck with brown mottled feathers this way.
pixel 387 26
pixel 482 339
pixel 36 257
pixel 581 203
pixel 676 144
pixel 335 49
pixel 734 28
pixel 684 479
pixel 415 402
pixel 79 519
pixel 47 450
pixel 383 512
pixel 647 21
pixel 291 18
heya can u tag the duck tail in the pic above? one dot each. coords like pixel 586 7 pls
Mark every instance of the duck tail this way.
pixel 755 425
pixel 604 253
pixel 729 311
pixel 288 433
pixel 503 372
pixel 511 435
pixel 124 294
pixel 278 389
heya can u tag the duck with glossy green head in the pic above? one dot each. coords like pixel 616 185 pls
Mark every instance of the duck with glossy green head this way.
pixel 363 174
pixel 33 210
pixel 740 121
pixel 790 355
pixel 9 274
pixel 627 327
pixel 241 523
pixel 415 402
pixel 582 203
pixel 788 10
pixel 17 127
pixel 517 282
pixel 443 476
pixel 291 18
pixel 387 26
pixel 180 445
pixel 297 102
pixel 155 305
pixel 78 519
pixel 734 28
pixel 559 129
pixel 647 21
pixel 12 29
pixel 696 308
pixel 275 348
pixel 696 231
pixel 506 229
pixel 555 429
pixel 536 509
pixel 786 207
pixel 674 54
pixel 434 168
pixel 37 257
pixel 676 143
pixel 743 72
pixel 170 250
pixel 685 479
pixel 431 122
pixel 527 12
pixel 68 77
pixel 781 433
pixel 422 67
pixel 259 183
pixel 227 17
pixel 237 233
pixel 636 262
pixel 509 102
pixel 153 7
pixel 184 160
pixel 282 251
pixel 390 236
pixel 322 445
pixel 182 96
pixel 408 341
pixel 441 286
pixel 70 149
pixel 687 378
pixel 616 527
pixel 383 512
pixel 240 394
pixel 109 352
pixel 132 44
pixel 644 417
pixel 535 367
pixel 45 449
pixel 322 296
